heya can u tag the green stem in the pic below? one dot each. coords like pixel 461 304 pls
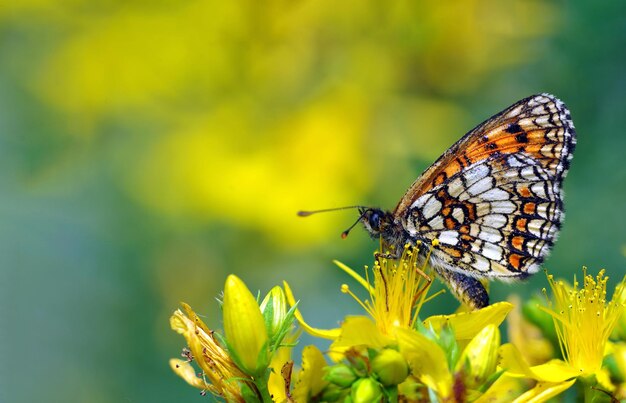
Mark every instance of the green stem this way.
pixel 588 383
pixel 261 386
pixel 588 393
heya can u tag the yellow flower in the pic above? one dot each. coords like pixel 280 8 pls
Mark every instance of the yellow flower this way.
pixel 584 320
pixel 244 327
pixel 220 375
pixel 397 291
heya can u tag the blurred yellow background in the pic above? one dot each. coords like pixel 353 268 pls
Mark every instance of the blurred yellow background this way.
pixel 151 148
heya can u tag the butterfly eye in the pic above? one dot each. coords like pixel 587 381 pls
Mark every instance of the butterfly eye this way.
pixel 375 220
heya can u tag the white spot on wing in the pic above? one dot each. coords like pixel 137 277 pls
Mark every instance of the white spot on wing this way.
pixel 455 188
pixel 514 162
pixel 534 227
pixel 542 120
pixel 494 220
pixel 503 207
pixel 538 190
pixel 480 186
pixel 528 174
pixel 495 194
pixel 476 173
pixel 432 207
pixel 458 215
pixel 515 111
pixel 493 252
pixel 436 223
pixel 449 237
pixel 542 210
pixel 533 268
pixel 419 203
pixel 489 235
pixel 481 264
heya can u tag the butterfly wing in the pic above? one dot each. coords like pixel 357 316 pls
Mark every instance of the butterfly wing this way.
pixel 494 199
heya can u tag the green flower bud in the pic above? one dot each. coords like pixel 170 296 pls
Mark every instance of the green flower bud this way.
pixel 411 389
pixel 334 393
pixel 274 309
pixel 244 327
pixel 366 390
pixel 481 354
pixel 391 367
pixel 341 375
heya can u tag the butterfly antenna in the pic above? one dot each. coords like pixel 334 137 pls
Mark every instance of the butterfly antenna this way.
pixel 302 213
pixel 344 234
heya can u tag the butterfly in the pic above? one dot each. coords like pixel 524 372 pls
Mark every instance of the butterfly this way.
pixel 491 207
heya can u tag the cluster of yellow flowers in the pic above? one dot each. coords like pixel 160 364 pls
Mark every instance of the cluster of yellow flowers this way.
pixel 390 355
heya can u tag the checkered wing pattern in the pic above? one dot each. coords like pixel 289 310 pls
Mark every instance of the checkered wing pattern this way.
pixel 494 199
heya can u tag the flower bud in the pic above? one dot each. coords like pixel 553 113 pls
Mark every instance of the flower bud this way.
pixel 274 309
pixel 391 367
pixel 410 389
pixel 334 393
pixel 341 375
pixel 366 390
pixel 481 354
pixel 244 327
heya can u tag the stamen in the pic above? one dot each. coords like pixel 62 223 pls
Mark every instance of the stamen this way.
pixel 346 290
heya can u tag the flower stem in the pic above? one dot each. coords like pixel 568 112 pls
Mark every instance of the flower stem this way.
pixel 587 384
pixel 261 386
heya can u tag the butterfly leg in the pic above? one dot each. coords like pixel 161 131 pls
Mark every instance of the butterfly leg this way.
pixel 466 289
pixel 387 255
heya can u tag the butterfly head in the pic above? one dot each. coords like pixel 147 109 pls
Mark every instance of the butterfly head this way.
pixel 377 222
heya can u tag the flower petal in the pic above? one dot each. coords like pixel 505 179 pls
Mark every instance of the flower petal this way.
pixel 276 383
pixel 467 324
pixel 311 377
pixel 359 331
pixel 481 354
pixel 331 334
pixel 603 377
pixel 426 360
pixel 544 391
pixel 503 390
pixel 186 371
pixel 555 371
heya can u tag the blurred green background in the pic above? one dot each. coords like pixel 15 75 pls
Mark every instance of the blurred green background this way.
pixel 149 148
